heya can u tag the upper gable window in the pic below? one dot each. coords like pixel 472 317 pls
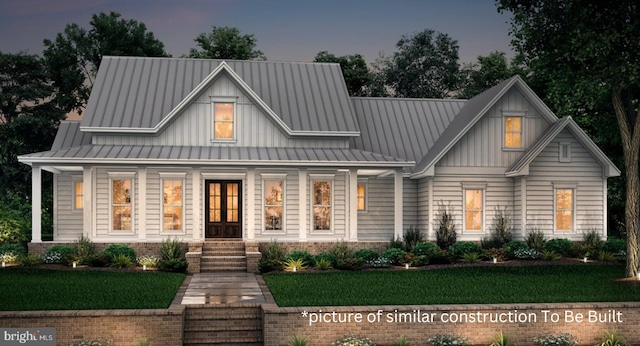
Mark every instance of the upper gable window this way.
pixel 223 121
pixel 513 130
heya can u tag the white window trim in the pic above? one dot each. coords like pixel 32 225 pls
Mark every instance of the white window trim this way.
pixel 573 188
pixel 514 114
pixel 274 177
pixel 474 186
pixel 172 176
pixel 322 178
pixel 562 158
pixel 74 180
pixel 364 182
pixel 224 99
pixel 122 176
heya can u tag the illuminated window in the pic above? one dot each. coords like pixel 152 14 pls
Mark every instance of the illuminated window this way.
pixel 223 121
pixel 473 209
pixel 78 195
pixel 273 204
pixel 322 205
pixel 513 132
pixel 362 196
pixel 172 205
pixel 564 210
pixel 121 195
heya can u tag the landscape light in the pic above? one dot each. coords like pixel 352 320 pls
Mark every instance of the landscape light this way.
pixel 295 269
pixel 74 264
pixel 144 267
pixel 4 265
pixel 406 266
pixel 584 259
pixel 495 260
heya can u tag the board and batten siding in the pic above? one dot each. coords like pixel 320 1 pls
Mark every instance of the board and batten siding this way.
pixel 68 220
pixel 482 145
pixel 583 171
pixel 194 126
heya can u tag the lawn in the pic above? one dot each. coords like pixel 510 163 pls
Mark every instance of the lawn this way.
pixel 465 285
pixel 43 289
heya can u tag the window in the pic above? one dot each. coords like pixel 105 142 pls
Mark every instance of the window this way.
pixel 172 205
pixel 513 132
pixel 564 152
pixel 223 121
pixel 121 195
pixel 273 204
pixel 362 196
pixel 78 195
pixel 564 210
pixel 322 205
pixel 473 213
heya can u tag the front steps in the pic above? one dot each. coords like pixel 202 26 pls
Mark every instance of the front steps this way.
pixel 222 325
pixel 223 255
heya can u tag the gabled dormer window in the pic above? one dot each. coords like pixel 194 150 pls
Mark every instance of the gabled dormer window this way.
pixel 513 129
pixel 224 118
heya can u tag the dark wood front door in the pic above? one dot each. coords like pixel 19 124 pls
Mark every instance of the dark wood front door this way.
pixel 223 205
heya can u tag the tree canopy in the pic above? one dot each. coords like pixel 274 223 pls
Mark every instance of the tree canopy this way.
pixel 357 76
pixel 226 43
pixel 490 70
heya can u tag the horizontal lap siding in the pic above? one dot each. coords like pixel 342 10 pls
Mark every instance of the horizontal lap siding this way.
pixel 376 223
pixel 68 224
pixel 423 205
pixel 410 204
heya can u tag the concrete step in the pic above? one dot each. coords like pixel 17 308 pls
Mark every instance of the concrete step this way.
pixel 223 338
pixel 222 313
pixel 222 325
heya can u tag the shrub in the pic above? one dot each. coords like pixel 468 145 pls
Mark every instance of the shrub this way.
pixel 326 256
pixel 380 262
pixel 393 255
pixel 511 247
pixel 536 240
pixel 606 256
pixel 149 261
pixel 402 341
pixel 471 257
pixel 448 340
pixel 298 341
pixel 412 236
pixel 93 343
pixel 9 257
pixel 427 249
pixel 15 249
pixel 305 256
pixel 414 260
pixel 562 339
pixel 59 254
pixel 366 254
pixel 613 245
pixel 350 264
pixel 84 249
pixel 112 251
pixel 502 339
pixel 592 243
pixel 459 249
pixel 171 250
pixel 559 245
pixel 526 253
pixel 273 252
pixel 15 221
pixel 342 253
pixel 97 260
pixel 292 264
pixel 501 232
pixel 612 339
pixel 550 255
pixel 446 233
pixel 395 243
pixel 175 266
pixel 323 264
pixel 269 265
pixel 121 261
pixel 489 243
pixel 353 340
pixel 29 260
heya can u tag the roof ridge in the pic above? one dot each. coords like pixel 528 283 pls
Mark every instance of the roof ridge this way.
pixel 130 57
pixel 405 98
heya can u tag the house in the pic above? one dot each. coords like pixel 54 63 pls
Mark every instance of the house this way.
pixel 261 150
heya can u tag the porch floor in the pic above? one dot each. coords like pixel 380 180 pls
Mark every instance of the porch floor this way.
pixel 223 288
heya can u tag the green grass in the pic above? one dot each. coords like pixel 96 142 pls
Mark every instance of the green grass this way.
pixel 466 285
pixel 42 289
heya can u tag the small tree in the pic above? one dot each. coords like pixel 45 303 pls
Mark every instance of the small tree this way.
pixel 501 232
pixel 446 234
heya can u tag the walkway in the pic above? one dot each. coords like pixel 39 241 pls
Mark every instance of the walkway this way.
pixel 223 288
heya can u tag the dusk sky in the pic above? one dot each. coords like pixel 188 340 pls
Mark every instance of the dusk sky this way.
pixel 286 30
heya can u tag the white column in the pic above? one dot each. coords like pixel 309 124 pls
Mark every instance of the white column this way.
pixel 142 203
pixel 196 198
pixel 87 202
pixel 431 235
pixel 251 203
pixel 523 206
pixel 302 204
pixel 605 217
pixel 397 213
pixel 36 204
pixel 353 205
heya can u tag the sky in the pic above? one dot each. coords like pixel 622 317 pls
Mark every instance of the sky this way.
pixel 286 30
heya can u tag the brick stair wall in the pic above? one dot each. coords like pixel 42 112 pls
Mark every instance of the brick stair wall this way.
pixel 222 325
pixel 223 256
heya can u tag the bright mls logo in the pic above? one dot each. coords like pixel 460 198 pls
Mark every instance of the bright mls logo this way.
pixel 28 336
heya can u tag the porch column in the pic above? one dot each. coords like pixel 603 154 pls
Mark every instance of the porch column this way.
pixel 353 205
pixel 251 203
pixel 523 206
pixel 431 234
pixel 87 199
pixel 196 197
pixel 397 212
pixel 302 204
pixel 36 204
pixel 142 203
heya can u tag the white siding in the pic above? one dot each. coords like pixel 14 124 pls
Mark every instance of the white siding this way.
pixel 376 223
pixel 423 207
pixel 67 220
pixel 194 126
pixel 410 204
pixel 583 171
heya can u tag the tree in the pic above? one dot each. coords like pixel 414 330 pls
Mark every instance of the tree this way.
pixel 73 58
pixel 490 70
pixel 425 65
pixel 357 76
pixel 226 43
pixel 588 50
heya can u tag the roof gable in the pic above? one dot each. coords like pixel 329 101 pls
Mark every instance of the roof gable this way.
pixel 144 94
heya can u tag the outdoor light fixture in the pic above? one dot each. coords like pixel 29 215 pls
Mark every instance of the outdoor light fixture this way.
pixel 638 275
pixel 406 266
pixel 584 259
pixel 144 267
pixel 4 265
pixel 295 269
pixel 74 264
pixel 495 260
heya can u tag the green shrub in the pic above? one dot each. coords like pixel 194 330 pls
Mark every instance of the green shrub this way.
pixel 559 245
pixel 502 339
pixel 402 341
pixel 366 254
pixel 149 261
pixel 97 260
pixel 459 249
pixel 414 260
pixel 380 262
pixel 428 249
pixel 489 243
pixel 292 264
pixel 9 257
pixel 298 341
pixel 511 247
pixel 323 264
pixel 270 265
pixel 613 245
pixel 592 241
pixel 341 251
pixel 393 255
pixel 412 236
pixel 550 255
pixel 536 240
pixel 490 254
pixel 612 339
pixel 395 243
pixel 174 265
pixel 526 253
pixel 84 249
pixel 448 340
pixel 29 260
pixel 562 339
pixel 121 261
pixel 472 257
pixel 350 264
pixel 171 250
pixel 305 256
pixel 326 256
pixel 501 231
pixel 114 250
pixel 10 253
pixel 606 256
pixel 353 340
pixel 273 252
pixel 15 221
pixel 59 254
pixel 446 233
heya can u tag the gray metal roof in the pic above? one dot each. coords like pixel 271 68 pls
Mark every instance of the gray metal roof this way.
pixel 139 154
pixel 136 92
pixel 68 136
pixel 406 128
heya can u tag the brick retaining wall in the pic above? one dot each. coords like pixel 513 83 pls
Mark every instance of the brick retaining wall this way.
pixel 280 324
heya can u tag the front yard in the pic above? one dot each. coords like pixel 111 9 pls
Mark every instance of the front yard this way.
pixel 462 285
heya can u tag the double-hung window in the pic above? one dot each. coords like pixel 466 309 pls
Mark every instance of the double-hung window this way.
pixel 172 204
pixel 513 129
pixel 362 196
pixel 78 195
pixel 473 209
pixel 564 209
pixel 322 208
pixel 122 195
pixel 274 204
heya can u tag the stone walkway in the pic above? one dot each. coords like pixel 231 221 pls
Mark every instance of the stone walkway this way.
pixel 223 288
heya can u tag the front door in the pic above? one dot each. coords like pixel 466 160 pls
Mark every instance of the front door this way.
pixel 223 205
